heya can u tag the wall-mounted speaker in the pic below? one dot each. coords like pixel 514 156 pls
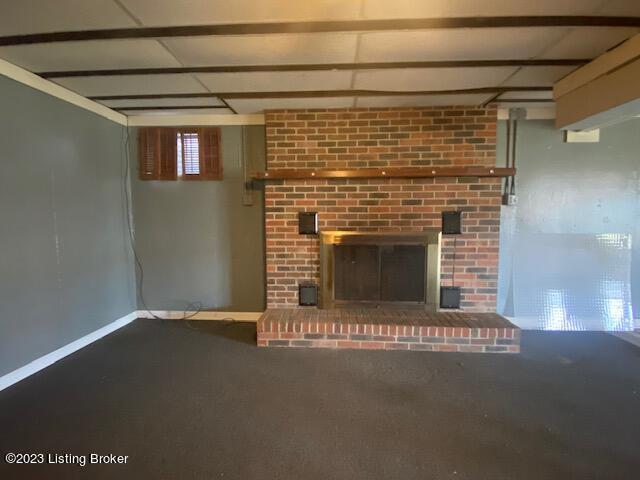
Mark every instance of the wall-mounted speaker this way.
pixel 449 297
pixel 308 223
pixel 308 294
pixel 451 223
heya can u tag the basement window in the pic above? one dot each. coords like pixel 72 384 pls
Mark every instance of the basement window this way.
pixel 188 152
pixel 180 154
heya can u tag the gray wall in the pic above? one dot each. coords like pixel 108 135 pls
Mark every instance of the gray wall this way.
pixel 196 240
pixel 65 264
pixel 587 188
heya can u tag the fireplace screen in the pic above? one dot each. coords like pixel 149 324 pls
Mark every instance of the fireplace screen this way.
pixel 380 273
pixel 362 268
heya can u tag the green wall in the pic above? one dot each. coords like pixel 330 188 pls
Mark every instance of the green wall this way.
pixel 65 263
pixel 196 240
pixel 572 188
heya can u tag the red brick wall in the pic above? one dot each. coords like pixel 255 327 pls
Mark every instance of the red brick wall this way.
pixel 358 138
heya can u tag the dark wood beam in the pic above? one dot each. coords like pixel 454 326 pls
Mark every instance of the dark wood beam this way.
pixel 525 100
pixel 391 172
pixel 323 26
pixel 492 98
pixel 227 105
pixel 164 107
pixel 318 67
pixel 322 93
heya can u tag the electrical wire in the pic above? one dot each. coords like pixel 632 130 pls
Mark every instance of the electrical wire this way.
pixel 507 186
pixel 453 274
pixel 126 187
pixel 513 156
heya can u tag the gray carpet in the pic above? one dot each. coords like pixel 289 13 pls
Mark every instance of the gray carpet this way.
pixel 198 400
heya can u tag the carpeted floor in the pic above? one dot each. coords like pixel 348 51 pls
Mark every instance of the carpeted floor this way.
pixel 197 400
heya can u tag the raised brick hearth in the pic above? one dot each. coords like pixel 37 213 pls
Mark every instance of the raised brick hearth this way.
pixel 388 329
pixel 358 138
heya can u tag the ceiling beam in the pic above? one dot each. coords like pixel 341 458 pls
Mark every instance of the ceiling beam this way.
pixel 318 66
pixel 165 107
pixel 322 26
pixel 525 100
pixel 322 93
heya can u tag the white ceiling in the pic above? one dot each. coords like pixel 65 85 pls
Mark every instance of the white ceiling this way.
pixel 40 16
pixel 488 8
pixel 89 55
pixel 165 102
pixel 537 76
pixel 265 49
pixel 457 44
pixel 588 42
pixel 21 17
pixel 133 85
pixel 276 81
pixel 431 78
pixel 422 100
pixel 260 104
pixel 35 16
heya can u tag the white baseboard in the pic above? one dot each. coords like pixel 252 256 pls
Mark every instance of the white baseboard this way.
pixel 46 360
pixel 179 315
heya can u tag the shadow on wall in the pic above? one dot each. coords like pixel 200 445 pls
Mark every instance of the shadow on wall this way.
pixel 570 249
pixel 197 242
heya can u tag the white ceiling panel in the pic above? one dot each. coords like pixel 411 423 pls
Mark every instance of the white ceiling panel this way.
pixel 22 17
pixel 132 85
pixel 529 95
pixel 475 8
pixel 630 8
pixel 264 49
pixel 261 104
pixel 193 12
pixel 422 101
pixel 457 44
pixel 276 81
pixel 90 55
pixel 588 42
pixel 537 76
pixel 163 102
pixel 203 111
pixel 431 78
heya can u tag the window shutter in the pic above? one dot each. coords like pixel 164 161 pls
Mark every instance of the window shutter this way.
pixel 167 154
pixel 148 167
pixel 210 158
pixel 198 159
pixel 157 154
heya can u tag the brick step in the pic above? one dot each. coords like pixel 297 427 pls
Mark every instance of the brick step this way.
pixel 388 330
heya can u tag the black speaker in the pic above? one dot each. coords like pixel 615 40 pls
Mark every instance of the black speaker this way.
pixel 451 223
pixel 308 223
pixel 307 294
pixel 449 297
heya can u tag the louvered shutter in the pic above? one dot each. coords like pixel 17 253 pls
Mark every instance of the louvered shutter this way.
pixel 210 158
pixel 157 154
pixel 148 167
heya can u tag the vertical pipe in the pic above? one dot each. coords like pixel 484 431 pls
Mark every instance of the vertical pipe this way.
pixel 507 156
pixel 513 156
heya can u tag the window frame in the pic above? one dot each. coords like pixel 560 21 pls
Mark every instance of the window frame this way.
pixel 158 153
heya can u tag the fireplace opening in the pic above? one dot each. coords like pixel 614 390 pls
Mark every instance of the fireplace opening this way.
pixel 370 269
pixel 380 273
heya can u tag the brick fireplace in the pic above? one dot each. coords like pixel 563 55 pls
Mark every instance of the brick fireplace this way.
pixel 457 136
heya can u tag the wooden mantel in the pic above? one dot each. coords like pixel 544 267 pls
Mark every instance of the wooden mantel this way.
pixel 391 172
